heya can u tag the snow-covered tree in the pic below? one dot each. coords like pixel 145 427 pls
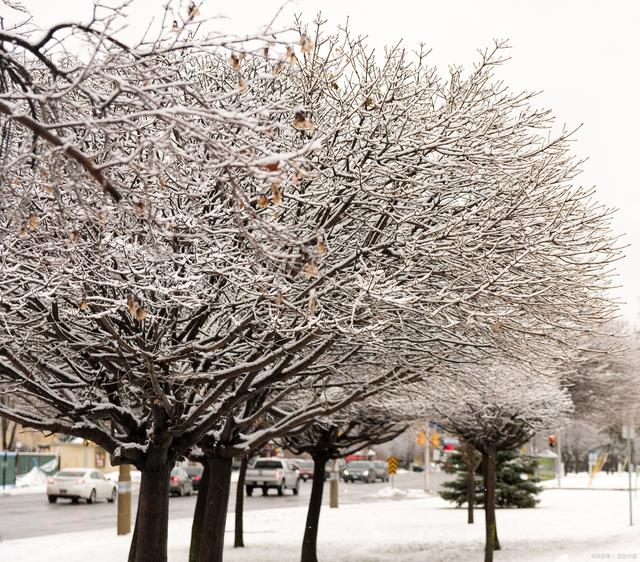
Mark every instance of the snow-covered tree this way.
pixel 335 437
pixel 268 214
pixel 497 407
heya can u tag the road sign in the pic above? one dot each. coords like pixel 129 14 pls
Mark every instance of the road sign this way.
pixel 422 438
pixel 392 464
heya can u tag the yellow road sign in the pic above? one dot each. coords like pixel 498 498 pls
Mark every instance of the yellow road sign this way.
pixel 392 464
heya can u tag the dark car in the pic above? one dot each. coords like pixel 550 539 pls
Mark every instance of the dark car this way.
pixel 382 471
pixel 305 468
pixel 180 483
pixel 195 473
pixel 365 471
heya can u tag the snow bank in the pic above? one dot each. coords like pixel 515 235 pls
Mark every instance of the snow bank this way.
pixel 569 525
pixel 14 491
pixel 35 477
pixel 410 493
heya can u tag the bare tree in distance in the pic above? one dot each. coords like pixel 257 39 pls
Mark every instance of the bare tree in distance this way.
pixel 497 407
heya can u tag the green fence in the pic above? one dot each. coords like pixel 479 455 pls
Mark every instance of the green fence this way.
pixel 14 464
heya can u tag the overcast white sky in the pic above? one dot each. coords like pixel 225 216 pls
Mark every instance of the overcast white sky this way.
pixel 583 54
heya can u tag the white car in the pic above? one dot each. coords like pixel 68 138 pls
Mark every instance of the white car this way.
pixel 81 483
pixel 271 472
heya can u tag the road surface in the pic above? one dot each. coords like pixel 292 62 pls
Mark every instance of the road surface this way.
pixel 30 515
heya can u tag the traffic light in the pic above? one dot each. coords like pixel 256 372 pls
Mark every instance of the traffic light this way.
pixel 435 439
pixel 552 441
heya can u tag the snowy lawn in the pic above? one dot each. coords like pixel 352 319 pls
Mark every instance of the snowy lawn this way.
pixel 568 525
pixel 601 481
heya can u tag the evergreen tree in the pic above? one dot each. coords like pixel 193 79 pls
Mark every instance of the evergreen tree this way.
pixel 516 480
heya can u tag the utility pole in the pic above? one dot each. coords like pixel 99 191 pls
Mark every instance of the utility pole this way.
pixel 559 463
pixel 629 433
pixel 124 500
pixel 427 483
pixel 333 484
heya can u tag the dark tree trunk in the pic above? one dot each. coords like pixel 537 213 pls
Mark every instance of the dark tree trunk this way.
pixel 489 476
pixel 149 542
pixel 471 489
pixel 217 503
pixel 238 540
pixel 309 543
pixel 198 515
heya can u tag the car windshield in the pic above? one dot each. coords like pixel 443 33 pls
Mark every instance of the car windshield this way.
pixel 358 464
pixel 71 473
pixel 306 464
pixel 175 472
pixel 267 464
pixel 194 470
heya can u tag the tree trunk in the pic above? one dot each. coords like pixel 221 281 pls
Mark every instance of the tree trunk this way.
pixel 149 542
pixel 198 515
pixel 217 503
pixel 238 534
pixel 471 490
pixel 310 540
pixel 489 476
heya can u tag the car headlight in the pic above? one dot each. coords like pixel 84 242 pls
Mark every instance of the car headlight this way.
pixel 346 472
pixel 365 473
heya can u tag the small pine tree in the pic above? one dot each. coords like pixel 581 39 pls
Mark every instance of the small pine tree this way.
pixel 516 481
pixel 456 490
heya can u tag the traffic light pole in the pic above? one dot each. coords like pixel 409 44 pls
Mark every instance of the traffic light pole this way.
pixel 427 483
pixel 629 470
pixel 559 453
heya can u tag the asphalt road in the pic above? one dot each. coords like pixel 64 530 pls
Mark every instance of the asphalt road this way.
pixel 31 515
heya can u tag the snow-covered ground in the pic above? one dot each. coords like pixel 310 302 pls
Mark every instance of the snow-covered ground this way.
pixel 568 525
pixel 601 481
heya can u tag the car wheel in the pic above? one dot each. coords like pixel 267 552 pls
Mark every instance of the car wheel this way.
pixel 113 496
pixel 75 500
pixel 53 499
pixel 265 491
pixel 249 490
pixel 92 497
pixel 296 489
pixel 281 488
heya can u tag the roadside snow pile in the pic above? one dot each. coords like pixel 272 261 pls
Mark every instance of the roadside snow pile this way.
pixel 35 477
pixel 568 526
pixel 33 482
pixel 411 493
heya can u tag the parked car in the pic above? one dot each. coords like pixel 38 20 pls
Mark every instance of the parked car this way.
pixel 359 470
pixel 382 470
pixel 268 472
pixel 80 483
pixel 305 468
pixel 180 483
pixel 195 473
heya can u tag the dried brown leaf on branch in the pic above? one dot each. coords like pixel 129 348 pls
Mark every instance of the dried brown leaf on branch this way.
pixel 306 45
pixel 301 120
pixel 192 11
